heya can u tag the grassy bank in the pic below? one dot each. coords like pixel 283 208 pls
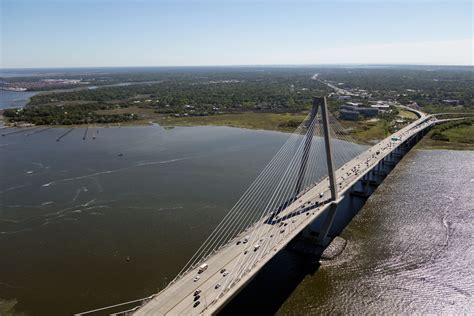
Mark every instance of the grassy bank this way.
pixel 369 131
pixel 268 121
pixel 456 138
pixel 362 131
pixel 284 122
pixel 446 136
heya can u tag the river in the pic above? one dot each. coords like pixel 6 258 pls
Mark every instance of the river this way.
pixel 18 99
pixel 14 99
pixel 89 223
pixel 410 249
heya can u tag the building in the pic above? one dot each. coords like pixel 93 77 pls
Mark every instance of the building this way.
pixel 368 112
pixel 344 97
pixel 354 104
pixel 380 106
pixel 451 102
pixel 363 111
pixel 349 115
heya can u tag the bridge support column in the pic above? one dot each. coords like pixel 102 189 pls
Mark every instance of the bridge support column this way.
pixel 322 237
pixel 332 179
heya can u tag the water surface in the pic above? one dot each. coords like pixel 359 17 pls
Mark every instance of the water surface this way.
pixel 14 99
pixel 410 247
pixel 89 223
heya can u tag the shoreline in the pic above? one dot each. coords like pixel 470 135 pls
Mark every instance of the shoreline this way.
pixel 425 144
pixel 266 121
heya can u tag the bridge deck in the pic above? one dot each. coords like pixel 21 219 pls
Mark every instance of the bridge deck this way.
pixel 178 298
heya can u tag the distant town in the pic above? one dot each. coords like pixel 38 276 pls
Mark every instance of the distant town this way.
pixel 43 84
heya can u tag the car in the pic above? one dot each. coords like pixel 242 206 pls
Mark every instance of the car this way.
pixel 196 278
pixel 202 268
pixel 218 285
pixel 223 270
pixel 196 304
pixel 225 273
pixel 197 292
pixel 196 298
pixel 246 252
pixel 238 242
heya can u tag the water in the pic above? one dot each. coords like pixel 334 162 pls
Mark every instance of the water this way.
pixel 18 99
pixel 83 227
pixel 410 248
pixel 73 211
pixel 14 99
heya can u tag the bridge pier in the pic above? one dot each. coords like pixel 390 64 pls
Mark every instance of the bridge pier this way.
pixel 379 173
pixel 365 184
pixel 323 238
pixel 388 162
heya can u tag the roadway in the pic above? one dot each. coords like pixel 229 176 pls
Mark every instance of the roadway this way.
pixel 242 261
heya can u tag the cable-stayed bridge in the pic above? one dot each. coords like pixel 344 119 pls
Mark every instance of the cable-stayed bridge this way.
pixel 317 166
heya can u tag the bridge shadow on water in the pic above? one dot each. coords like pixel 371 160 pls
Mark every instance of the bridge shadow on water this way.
pixel 273 285
pixel 281 276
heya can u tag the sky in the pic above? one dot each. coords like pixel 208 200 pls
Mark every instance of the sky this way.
pixel 109 33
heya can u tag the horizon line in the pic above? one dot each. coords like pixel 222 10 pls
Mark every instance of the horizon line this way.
pixel 242 65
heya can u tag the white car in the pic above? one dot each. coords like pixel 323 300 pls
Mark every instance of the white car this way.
pixel 196 278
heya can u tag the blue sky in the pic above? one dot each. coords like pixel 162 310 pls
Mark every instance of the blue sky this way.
pixel 80 33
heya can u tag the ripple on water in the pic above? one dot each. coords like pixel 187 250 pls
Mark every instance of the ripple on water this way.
pixel 410 248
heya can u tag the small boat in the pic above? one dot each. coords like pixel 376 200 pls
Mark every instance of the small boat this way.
pixel 120 154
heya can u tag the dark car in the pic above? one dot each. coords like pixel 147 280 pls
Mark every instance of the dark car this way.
pixel 196 304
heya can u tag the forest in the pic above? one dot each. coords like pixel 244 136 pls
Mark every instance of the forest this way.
pixel 73 115
pixel 206 91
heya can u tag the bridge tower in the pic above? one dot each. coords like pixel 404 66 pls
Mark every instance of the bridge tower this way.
pixel 319 102
pixel 332 179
